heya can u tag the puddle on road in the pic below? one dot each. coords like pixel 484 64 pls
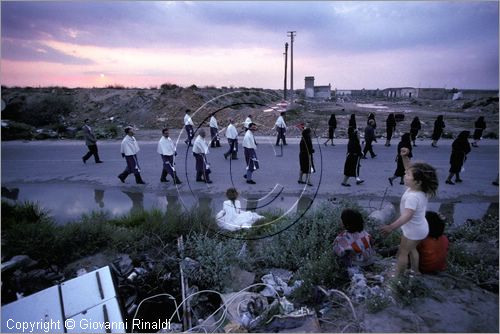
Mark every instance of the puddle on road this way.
pixel 68 202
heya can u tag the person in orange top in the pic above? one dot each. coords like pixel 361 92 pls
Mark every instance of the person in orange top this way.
pixel 433 250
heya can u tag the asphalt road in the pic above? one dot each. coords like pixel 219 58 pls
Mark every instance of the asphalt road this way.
pixel 60 161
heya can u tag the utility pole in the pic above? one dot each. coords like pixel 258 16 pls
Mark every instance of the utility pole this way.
pixel 286 62
pixel 292 35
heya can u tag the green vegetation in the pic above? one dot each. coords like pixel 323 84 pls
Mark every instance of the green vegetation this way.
pixel 473 252
pixel 303 246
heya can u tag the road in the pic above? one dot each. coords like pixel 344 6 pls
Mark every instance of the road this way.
pixel 60 161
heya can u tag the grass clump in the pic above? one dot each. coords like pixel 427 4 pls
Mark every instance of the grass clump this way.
pixel 408 287
pixel 216 256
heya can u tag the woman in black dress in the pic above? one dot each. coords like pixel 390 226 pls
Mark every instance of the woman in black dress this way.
pixel 414 129
pixel 332 125
pixel 479 126
pixel 354 154
pixel 459 150
pixel 352 122
pixel 390 127
pixel 306 157
pixel 371 116
pixel 400 168
pixel 438 130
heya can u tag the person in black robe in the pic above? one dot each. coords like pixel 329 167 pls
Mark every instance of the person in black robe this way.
pixel 459 150
pixel 351 165
pixel 352 122
pixel 479 126
pixel 390 127
pixel 400 168
pixel 306 157
pixel 414 129
pixel 371 116
pixel 438 130
pixel 332 125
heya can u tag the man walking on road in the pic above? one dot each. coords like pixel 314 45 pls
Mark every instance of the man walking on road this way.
pixel 369 139
pixel 200 150
pixel 232 139
pixel 188 125
pixel 281 128
pixel 166 149
pixel 214 129
pixel 129 149
pixel 249 145
pixel 91 142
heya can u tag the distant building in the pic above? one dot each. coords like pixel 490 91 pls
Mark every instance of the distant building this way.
pixel 401 92
pixel 316 92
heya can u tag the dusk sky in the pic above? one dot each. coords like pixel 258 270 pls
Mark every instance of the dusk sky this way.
pixel 351 45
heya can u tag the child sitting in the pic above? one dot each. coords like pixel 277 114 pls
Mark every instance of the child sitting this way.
pixel 231 217
pixel 354 245
pixel 433 249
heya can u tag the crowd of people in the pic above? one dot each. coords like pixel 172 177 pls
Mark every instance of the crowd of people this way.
pixel 423 247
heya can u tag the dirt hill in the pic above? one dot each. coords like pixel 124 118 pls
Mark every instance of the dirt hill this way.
pixel 62 110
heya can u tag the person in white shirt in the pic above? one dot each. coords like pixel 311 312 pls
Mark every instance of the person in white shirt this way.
pixel 249 145
pixel 200 151
pixel 214 129
pixel 232 139
pixel 188 125
pixel 281 128
pixel 129 149
pixel 246 123
pixel 231 217
pixel 167 151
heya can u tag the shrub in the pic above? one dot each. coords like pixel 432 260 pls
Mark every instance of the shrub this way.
pixel 408 287
pixel 16 130
pixel 468 104
pixel 216 256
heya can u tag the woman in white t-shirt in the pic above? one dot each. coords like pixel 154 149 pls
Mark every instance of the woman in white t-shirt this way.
pixel 422 183
pixel 231 217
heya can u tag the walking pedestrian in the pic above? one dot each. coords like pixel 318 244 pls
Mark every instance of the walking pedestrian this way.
pixel 332 125
pixel 306 157
pixel 91 142
pixel 281 128
pixel 167 151
pixel 188 126
pixel 232 139
pixel 200 151
pixel 414 128
pixel 247 122
pixel 422 183
pixel 214 132
pixel 352 122
pixel 353 158
pixel 459 150
pixel 249 145
pixel 479 126
pixel 129 149
pixel 438 130
pixel 400 168
pixel 390 127
pixel 369 139
pixel 371 116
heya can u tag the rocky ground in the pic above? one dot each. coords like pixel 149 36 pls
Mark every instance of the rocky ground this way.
pixel 59 112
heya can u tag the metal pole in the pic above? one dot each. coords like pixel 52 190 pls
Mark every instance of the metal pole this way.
pixel 292 35
pixel 286 63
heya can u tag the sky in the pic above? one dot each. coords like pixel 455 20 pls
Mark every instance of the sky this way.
pixel 350 45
